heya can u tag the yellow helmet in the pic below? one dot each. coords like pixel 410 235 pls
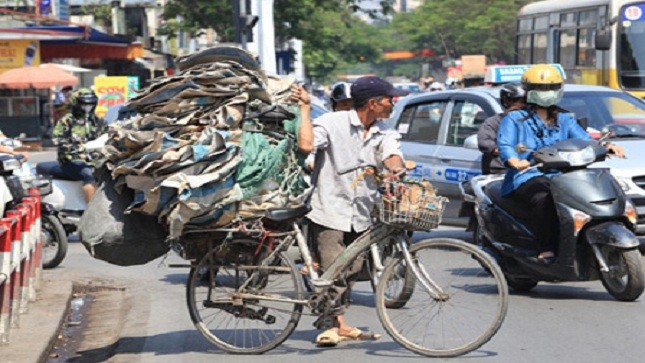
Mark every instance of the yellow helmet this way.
pixel 542 77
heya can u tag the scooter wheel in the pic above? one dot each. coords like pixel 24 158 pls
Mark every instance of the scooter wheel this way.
pixel 54 241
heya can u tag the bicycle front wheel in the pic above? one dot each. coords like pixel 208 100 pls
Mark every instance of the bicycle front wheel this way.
pixel 239 324
pixel 470 310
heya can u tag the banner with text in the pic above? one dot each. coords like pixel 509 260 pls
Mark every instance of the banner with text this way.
pixel 111 91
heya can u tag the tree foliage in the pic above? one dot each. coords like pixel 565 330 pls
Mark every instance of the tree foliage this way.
pixel 335 39
pixel 450 27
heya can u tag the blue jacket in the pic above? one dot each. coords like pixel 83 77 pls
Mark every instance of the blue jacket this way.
pixel 518 128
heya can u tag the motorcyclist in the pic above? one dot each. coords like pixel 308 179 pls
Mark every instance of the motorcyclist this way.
pixel 512 97
pixel 72 132
pixel 541 123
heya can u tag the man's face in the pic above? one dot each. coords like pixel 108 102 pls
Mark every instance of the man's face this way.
pixel 381 106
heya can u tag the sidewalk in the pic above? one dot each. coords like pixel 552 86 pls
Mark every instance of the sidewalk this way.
pixel 39 327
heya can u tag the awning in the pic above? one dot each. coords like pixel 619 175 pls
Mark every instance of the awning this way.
pixel 88 43
pixel 37 34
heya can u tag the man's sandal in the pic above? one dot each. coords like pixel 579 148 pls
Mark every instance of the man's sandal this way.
pixel 357 334
pixel 328 338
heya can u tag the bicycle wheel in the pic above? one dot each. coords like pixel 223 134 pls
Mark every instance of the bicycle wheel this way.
pixel 467 316
pixel 242 325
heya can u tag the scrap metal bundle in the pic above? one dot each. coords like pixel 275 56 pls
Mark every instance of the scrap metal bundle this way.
pixel 209 144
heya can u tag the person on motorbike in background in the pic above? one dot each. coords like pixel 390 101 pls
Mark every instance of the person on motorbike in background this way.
pixel 512 97
pixel 341 98
pixel 342 201
pixel 76 128
pixel 540 123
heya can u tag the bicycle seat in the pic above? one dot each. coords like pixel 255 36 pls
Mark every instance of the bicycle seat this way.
pixel 283 214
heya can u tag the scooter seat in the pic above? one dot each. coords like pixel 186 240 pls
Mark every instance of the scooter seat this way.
pixel 518 210
pixel 53 169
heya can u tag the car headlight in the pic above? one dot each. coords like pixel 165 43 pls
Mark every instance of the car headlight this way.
pixel 580 157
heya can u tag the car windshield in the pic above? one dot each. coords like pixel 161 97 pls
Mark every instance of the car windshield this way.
pixel 619 113
pixel 632 47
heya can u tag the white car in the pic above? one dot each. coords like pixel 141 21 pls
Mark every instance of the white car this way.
pixel 436 125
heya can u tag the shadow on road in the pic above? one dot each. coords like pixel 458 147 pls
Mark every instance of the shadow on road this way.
pixel 189 341
pixel 565 292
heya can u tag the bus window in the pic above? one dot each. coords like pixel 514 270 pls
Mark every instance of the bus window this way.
pixel 586 50
pixel 568 20
pixel 539 48
pixel 524 48
pixel 568 48
pixel 541 23
pixel 589 18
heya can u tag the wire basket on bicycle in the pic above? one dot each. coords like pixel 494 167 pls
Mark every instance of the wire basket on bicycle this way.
pixel 411 205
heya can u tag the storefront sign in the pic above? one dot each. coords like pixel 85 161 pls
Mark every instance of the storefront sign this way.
pixel 18 53
pixel 111 91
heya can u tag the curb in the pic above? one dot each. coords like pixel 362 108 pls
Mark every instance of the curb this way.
pixel 40 326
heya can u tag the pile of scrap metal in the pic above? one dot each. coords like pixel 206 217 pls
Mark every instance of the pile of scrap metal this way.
pixel 210 145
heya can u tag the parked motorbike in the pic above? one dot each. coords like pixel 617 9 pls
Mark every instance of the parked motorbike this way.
pixel 16 179
pixel 596 224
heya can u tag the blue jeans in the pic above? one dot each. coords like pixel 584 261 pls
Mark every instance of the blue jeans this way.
pixel 77 170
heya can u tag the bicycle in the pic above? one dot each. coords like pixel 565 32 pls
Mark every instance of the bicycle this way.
pixel 246 296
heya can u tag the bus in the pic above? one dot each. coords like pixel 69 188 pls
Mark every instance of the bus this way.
pixel 599 42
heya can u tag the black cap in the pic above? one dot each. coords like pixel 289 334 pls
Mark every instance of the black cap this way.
pixel 368 87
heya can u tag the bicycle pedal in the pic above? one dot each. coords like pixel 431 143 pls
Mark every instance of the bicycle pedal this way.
pixel 321 282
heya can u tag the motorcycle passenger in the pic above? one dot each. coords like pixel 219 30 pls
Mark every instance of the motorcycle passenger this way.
pixel 76 128
pixel 341 203
pixel 512 97
pixel 541 123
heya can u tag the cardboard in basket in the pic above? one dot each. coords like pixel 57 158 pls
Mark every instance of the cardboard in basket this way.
pixel 417 196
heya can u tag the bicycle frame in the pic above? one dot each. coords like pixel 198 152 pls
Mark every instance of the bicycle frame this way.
pixel 380 234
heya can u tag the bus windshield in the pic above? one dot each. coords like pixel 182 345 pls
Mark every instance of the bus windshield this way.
pixel 632 47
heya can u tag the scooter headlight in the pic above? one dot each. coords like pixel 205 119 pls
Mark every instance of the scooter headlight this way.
pixel 580 157
pixel 580 219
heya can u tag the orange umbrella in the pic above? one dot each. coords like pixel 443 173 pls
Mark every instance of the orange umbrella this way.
pixel 36 77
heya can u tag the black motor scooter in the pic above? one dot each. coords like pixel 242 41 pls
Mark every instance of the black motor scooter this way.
pixel 596 224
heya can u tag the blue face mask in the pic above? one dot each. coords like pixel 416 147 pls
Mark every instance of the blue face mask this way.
pixel 544 98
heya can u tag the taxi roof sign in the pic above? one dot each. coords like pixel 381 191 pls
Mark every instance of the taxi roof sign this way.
pixel 506 74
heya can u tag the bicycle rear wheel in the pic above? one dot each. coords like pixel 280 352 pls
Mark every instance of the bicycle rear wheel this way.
pixel 470 313
pixel 244 325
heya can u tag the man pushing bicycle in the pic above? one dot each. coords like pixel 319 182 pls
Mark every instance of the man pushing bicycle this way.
pixel 344 194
